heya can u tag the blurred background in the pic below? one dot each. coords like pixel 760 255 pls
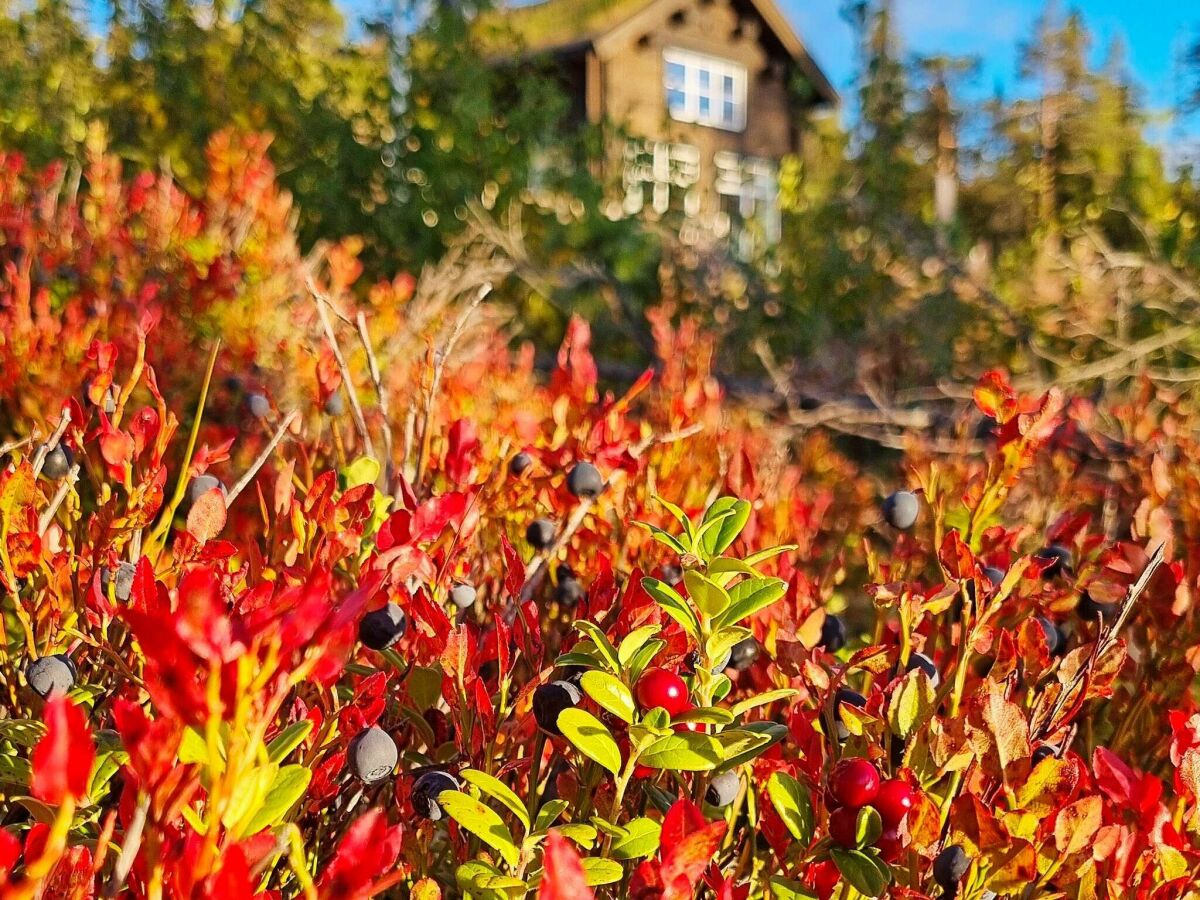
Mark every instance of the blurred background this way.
pixel 875 197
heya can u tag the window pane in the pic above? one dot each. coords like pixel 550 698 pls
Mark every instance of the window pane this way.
pixel 727 116
pixel 705 75
pixel 727 88
pixel 676 100
pixel 675 75
pixel 705 107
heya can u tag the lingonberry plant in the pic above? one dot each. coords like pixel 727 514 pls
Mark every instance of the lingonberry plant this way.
pixel 465 631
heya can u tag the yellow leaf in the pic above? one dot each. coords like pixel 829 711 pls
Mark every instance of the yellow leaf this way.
pixel 1050 777
pixel 1077 823
pixel 426 889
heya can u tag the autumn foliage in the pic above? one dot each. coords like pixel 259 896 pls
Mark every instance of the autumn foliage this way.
pixel 260 452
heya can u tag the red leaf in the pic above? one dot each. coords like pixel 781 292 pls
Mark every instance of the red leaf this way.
pixel 461 450
pixel 368 849
pixel 514 568
pixel 62 759
pixel 956 556
pixel 562 872
pixel 689 842
pixel 1114 777
pixel 115 446
pixel 10 852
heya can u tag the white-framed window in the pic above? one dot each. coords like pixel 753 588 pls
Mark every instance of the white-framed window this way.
pixel 748 188
pixel 705 90
pixel 662 176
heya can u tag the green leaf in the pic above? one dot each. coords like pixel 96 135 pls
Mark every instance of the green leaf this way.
pixel 578 657
pixel 867 826
pixel 794 805
pixel 748 597
pixel 581 833
pixel 15 771
pixel 601 871
pixel 773 732
pixel 640 840
pixel 734 515
pixel 424 684
pixel 364 470
pixel 103 769
pixel 482 821
pixel 247 797
pixel 487 882
pixel 679 515
pixel 866 874
pixel 720 642
pixel 665 538
pixel 643 658
pixel 674 605
pixel 762 700
pixel 498 790
pixel 288 740
pixel 709 524
pixel 608 653
pixel 683 752
pixel 706 593
pixel 606 827
pixel 713 715
pixel 787 889
pixel 286 790
pixel 610 693
pixel 724 569
pixel 634 641
pixel 22 732
pixel 721 686
pixel 912 704
pixel 549 814
pixel 590 737
pixel 735 743
pixel 763 555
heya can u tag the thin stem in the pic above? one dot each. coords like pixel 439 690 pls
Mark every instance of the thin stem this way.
pixel 360 422
pixel 262 458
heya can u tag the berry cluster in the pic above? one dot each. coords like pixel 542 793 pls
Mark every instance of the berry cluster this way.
pixel 868 811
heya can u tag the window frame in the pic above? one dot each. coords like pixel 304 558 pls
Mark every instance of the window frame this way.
pixel 719 71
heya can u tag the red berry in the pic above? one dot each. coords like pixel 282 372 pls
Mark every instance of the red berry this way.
pixel 695 727
pixel 658 687
pixel 894 800
pixel 889 845
pixel 843 826
pixel 854 782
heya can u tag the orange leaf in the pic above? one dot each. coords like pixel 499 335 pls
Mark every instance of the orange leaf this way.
pixel 995 397
pixel 207 516
pixel 1077 823
pixel 562 872
pixel 999 732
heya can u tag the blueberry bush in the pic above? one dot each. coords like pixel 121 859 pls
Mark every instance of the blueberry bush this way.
pixel 316 588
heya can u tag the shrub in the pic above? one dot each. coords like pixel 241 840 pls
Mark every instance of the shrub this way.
pixel 227 733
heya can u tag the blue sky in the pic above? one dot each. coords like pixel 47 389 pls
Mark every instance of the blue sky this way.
pixel 1152 32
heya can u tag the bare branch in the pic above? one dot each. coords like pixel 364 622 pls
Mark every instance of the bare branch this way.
pixel 360 422
pixel 262 458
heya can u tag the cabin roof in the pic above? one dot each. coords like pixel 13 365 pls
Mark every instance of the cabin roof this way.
pixel 560 26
